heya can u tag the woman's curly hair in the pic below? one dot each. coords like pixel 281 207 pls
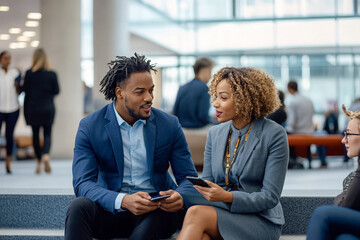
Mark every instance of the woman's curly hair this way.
pixel 254 91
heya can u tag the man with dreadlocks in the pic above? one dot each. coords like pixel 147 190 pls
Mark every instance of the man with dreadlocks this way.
pixel 122 154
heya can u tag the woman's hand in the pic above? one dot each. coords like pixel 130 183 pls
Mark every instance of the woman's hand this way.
pixel 215 193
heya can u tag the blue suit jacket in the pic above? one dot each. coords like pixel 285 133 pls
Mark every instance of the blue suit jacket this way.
pixel 192 104
pixel 98 164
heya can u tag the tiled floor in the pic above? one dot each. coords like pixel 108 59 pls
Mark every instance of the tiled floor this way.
pixel 305 182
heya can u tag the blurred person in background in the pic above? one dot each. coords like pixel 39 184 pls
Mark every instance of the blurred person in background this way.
pixel 279 116
pixel 331 126
pixel 9 104
pixel 40 87
pixel 193 100
pixel 299 119
pixel 342 221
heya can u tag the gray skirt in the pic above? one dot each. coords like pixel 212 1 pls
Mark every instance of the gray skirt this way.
pixel 245 226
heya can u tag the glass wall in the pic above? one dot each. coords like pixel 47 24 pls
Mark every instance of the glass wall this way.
pixel 316 42
pixel 324 78
pixel 203 26
pixel 186 10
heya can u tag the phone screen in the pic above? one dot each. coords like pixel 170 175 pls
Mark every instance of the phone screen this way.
pixel 158 197
pixel 197 181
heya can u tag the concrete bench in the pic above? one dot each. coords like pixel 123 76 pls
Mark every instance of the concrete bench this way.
pixel 45 215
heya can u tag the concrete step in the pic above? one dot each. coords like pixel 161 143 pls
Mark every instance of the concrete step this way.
pixel 31 234
pixel 57 234
pixel 34 211
pixel 41 234
pixel 298 212
pixel 49 211
pixel 292 237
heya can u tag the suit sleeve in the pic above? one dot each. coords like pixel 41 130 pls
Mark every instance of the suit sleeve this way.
pixel 181 162
pixel 25 85
pixel 275 169
pixel 85 172
pixel 207 174
pixel 203 107
pixel 55 85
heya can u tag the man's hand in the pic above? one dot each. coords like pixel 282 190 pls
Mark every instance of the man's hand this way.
pixel 139 203
pixel 173 203
pixel 215 193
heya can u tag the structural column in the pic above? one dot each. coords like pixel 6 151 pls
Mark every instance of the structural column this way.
pixel 111 39
pixel 60 37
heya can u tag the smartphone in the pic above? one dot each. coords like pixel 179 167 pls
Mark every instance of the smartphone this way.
pixel 158 197
pixel 197 181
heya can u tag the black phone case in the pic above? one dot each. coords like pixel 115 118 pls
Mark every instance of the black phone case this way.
pixel 197 181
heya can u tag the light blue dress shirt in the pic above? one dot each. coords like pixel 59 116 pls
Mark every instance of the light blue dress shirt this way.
pixel 136 173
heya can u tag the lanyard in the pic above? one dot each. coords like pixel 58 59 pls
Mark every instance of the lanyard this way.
pixel 228 163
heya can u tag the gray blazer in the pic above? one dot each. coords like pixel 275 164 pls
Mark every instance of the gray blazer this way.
pixel 259 168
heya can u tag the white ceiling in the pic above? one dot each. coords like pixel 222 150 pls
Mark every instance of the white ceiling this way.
pixel 16 17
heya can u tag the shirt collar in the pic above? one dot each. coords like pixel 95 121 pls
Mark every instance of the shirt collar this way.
pixel 122 121
pixel 240 131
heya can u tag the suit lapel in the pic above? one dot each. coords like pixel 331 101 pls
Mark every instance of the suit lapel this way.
pixel 253 139
pixel 221 140
pixel 113 130
pixel 150 137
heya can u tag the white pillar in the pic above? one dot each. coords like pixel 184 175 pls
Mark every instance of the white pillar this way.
pixel 111 39
pixel 60 37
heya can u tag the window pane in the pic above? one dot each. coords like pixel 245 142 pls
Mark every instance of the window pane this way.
pixel 214 9
pixel 349 32
pixel 297 33
pixel 254 8
pixel 243 35
pixel 345 7
pixel 170 86
pixel 304 8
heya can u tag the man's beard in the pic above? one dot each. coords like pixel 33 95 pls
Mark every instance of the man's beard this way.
pixel 135 115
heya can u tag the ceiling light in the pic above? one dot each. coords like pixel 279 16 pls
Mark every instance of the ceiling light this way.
pixel 4 36
pixel 31 23
pixel 23 39
pixel 13 45
pixel 29 34
pixel 4 8
pixel 21 45
pixel 15 30
pixel 34 15
pixel 34 43
pixel 17 45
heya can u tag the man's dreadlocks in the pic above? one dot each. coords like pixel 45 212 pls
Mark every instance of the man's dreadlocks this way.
pixel 120 69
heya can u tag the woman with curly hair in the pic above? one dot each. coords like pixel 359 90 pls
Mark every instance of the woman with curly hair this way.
pixel 245 162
